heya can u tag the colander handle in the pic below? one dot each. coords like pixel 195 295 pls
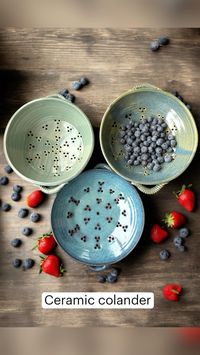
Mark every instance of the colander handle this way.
pixel 144 86
pixel 148 190
pixel 51 190
pixel 97 268
pixel 102 166
pixel 57 96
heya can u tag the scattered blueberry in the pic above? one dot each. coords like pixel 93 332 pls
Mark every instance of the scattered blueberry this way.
pixel 23 212
pixel 115 272
pixel 17 188
pixel 155 46
pixel 5 207
pixel 17 263
pixel 26 231
pixel 15 196
pixel 164 254
pixel 101 278
pixel 111 279
pixel 163 41
pixel 34 217
pixel 70 97
pixel 64 92
pixel 178 241
pixel 181 248
pixel 4 180
pixel 84 81
pixel 183 232
pixel 28 264
pixel 16 242
pixel 76 85
pixel 8 169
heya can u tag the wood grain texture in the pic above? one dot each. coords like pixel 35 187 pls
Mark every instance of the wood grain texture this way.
pixel 37 62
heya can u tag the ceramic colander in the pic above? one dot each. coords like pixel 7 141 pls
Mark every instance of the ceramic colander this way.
pixel 97 218
pixel 48 142
pixel 142 102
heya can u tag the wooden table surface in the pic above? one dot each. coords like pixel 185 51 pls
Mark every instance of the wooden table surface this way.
pixel 38 62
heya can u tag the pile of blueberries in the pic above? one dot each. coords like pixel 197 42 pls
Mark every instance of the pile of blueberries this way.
pixel 22 213
pixel 76 85
pixel 111 277
pixel 179 243
pixel 147 143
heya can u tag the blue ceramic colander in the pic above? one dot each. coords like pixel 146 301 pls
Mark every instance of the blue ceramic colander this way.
pixel 98 218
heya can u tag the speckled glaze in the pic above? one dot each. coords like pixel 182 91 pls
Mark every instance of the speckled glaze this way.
pixel 142 102
pixel 48 141
pixel 98 218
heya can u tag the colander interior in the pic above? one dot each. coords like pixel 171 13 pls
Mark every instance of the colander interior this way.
pixel 49 141
pixel 142 104
pixel 97 218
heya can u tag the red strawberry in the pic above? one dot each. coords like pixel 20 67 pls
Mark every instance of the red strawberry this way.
pixel 158 234
pixel 52 265
pixel 172 292
pixel 35 198
pixel 174 219
pixel 186 198
pixel 191 335
pixel 46 244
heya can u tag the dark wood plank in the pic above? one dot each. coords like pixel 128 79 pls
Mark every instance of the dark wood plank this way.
pixel 37 62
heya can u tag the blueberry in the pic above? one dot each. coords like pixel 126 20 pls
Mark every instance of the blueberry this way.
pixel 5 207
pixel 170 150
pixel 144 163
pixel 188 107
pixel 17 263
pixel 130 162
pixel 173 143
pixel 160 141
pixel 160 129
pixel 160 159
pixel 164 254
pixel 144 157
pixel 64 92
pixel 155 46
pixel 150 166
pixel 15 196
pixel 122 141
pixel 136 163
pixel 84 81
pixel 70 97
pixel 181 248
pixel 110 278
pixel 158 150
pixel 26 231
pixel 144 149
pixel 23 212
pixel 150 149
pixel 8 169
pixel 177 241
pixel 4 180
pixel 16 242
pixel 35 217
pixel 115 272
pixel 137 134
pixel 164 146
pixel 163 41
pixel 136 150
pixel 157 167
pixel 164 125
pixel 28 263
pixel 128 148
pixel 101 279
pixel 183 232
pixel 17 188
pixel 129 141
pixel 76 85
pixel 167 158
pixel 170 136
pixel 122 133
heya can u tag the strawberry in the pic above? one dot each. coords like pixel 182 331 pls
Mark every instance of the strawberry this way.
pixel 186 198
pixel 35 198
pixel 52 265
pixel 46 244
pixel 174 219
pixel 190 335
pixel 158 234
pixel 172 292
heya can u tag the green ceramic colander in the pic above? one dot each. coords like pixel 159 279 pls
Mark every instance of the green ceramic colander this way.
pixel 142 102
pixel 48 142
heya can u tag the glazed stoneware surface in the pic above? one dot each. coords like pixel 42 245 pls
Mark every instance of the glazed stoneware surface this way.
pixel 48 141
pixel 142 103
pixel 98 218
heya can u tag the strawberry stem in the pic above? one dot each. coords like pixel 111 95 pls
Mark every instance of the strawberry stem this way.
pixel 175 291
